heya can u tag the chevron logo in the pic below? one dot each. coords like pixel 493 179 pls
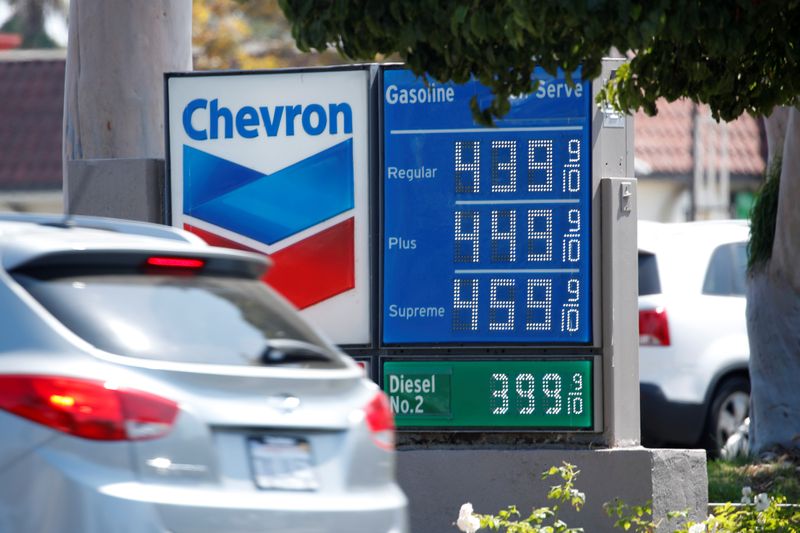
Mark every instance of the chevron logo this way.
pixel 269 208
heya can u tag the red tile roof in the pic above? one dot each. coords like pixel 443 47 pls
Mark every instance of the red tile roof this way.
pixel 664 142
pixel 10 40
pixel 31 110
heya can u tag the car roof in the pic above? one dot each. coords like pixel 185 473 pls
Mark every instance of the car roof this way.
pixel 654 235
pixel 24 238
pixel 684 249
pixel 131 227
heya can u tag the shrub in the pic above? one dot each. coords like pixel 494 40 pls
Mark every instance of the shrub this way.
pixel 759 514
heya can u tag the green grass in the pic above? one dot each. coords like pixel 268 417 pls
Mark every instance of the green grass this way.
pixel 778 477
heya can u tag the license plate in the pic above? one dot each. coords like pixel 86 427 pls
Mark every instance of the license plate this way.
pixel 282 463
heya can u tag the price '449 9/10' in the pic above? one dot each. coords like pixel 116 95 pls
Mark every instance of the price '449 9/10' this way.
pixel 537 238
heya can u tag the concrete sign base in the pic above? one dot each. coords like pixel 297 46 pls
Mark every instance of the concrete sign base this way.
pixel 438 482
pixel 132 189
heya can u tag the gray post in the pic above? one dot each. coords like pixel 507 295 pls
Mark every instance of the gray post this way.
pixel 620 309
pixel 117 54
pixel 615 210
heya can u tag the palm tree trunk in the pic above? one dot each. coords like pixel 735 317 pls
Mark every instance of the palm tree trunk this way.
pixel 773 305
pixel 118 52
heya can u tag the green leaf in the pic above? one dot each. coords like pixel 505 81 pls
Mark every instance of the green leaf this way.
pixel 478 25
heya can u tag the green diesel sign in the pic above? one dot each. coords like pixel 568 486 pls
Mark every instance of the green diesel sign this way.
pixel 419 392
pixel 542 394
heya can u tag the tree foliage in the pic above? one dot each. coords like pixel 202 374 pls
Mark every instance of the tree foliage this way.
pixel 737 56
pixel 28 19
pixel 763 218
pixel 219 31
pixel 246 34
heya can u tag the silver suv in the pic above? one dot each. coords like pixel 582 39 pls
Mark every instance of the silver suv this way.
pixel 151 383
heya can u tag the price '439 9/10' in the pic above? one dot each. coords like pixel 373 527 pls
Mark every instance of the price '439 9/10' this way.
pixel 505 172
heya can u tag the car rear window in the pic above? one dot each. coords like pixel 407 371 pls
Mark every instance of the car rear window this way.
pixel 649 282
pixel 727 270
pixel 192 319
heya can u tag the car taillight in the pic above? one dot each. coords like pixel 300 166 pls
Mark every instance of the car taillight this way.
pixel 176 266
pixel 380 421
pixel 653 327
pixel 86 408
pixel 175 262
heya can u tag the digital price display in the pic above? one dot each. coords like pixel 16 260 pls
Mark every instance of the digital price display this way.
pixel 487 231
pixel 555 394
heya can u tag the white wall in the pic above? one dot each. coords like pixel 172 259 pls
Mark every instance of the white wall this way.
pixel 663 200
pixel 32 202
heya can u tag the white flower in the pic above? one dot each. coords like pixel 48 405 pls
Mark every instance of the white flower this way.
pixel 697 528
pixel 575 493
pixel 762 501
pixel 467 521
pixel 746 493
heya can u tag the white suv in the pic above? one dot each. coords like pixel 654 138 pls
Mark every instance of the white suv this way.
pixel 693 344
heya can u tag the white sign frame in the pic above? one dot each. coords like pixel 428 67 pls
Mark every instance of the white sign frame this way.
pixel 345 317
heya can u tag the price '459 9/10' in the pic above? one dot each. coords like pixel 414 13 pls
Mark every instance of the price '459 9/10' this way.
pixel 503 314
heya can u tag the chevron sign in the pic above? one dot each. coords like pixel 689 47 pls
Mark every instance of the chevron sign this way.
pixel 277 163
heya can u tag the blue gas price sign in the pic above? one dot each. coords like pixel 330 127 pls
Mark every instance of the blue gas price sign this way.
pixel 487 231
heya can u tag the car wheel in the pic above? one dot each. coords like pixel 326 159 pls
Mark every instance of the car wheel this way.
pixel 729 408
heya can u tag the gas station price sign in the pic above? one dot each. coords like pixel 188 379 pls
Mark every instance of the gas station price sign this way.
pixel 554 394
pixel 487 231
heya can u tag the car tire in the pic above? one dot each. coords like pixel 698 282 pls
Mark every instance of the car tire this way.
pixel 729 408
